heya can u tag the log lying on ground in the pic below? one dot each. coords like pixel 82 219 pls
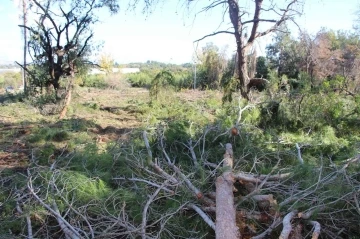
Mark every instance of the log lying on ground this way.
pixel 226 227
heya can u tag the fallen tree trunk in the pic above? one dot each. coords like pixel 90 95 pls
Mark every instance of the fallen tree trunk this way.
pixel 226 227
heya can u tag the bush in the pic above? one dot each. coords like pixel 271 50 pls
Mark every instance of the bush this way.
pixel 141 79
pixel 96 81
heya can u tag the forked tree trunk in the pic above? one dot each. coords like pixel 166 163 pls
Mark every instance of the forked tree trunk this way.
pixel 226 227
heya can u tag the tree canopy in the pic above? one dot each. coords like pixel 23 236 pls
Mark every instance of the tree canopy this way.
pixel 60 38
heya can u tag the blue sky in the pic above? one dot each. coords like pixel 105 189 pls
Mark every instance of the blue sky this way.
pixel 168 33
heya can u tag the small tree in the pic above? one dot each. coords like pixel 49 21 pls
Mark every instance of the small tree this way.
pixel 162 79
pixel 212 67
pixel 262 69
pixel 284 54
pixel 106 62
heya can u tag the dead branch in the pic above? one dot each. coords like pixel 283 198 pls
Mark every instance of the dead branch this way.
pixel 259 198
pixel 351 161
pixel 274 177
pixel 287 225
pixel 168 217
pixel 64 225
pixel 147 182
pixel 202 214
pixel 199 195
pixel 68 230
pixel 317 228
pixel 54 186
pixel 258 20
pixel 28 220
pixel 155 166
pixel 241 111
pixel 144 214
pixel 190 147
pixel 248 177
pixel 213 34
pixel 264 234
pixel 299 154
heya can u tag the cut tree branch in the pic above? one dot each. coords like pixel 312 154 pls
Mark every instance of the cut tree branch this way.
pixel 287 225
pixel 202 214
pixel 144 214
pixel 317 229
pixel 65 226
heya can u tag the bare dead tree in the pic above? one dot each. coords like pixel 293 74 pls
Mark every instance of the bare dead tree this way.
pixel 275 15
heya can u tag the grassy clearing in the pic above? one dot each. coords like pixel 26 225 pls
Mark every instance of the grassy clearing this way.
pixel 85 145
pixel 97 117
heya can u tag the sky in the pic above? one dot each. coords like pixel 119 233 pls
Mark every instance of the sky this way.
pixel 168 33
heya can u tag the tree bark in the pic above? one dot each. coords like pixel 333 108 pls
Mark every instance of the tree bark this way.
pixel 241 62
pixel 243 76
pixel 226 227
pixel 67 103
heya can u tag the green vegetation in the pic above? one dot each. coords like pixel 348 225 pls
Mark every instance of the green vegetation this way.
pixel 97 81
pixel 182 75
pixel 95 166
pixel 138 155
pixel 10 79
pixel 101 166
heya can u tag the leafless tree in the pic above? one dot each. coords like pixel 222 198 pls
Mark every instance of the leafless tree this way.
pixel 242 24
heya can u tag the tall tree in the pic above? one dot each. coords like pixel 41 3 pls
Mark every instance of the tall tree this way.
pixel 275 15
pixel 106 62
pixel 284 54
pixel 262 70
pixel 213 63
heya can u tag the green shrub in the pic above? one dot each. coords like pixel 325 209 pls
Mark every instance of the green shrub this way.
pixel 96 81
pixel 82 188
pixel 163 80
pixel 141 79
pixel 10 79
